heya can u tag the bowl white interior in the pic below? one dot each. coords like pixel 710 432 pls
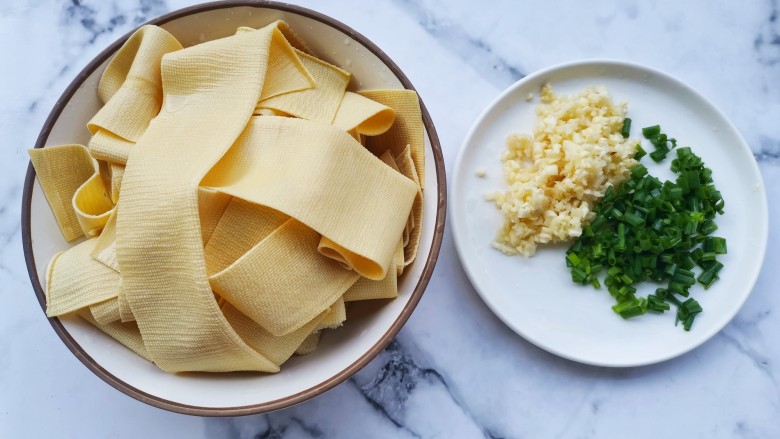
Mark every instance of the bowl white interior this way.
pixel 338 349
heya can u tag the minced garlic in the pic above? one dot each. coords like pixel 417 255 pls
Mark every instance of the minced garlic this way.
pixel 556 176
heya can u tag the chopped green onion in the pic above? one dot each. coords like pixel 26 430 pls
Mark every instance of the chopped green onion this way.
pixel 677 288
pixel 657 304
pixel 632 219
pixel 708 256
pixel 658 155
pixel 692 306
pixel 651 131
pixel 626 130
pixel 646 229
pixel 621 242
pixel 683 280
pixel 629 308
pixel 684 152
pixel 688 322
pixel 639 152
pixel 659 140
pixel 708 227
pixel 639 171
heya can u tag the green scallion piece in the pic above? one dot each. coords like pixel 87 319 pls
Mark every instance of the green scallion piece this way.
pixel 683 280
pixel 657 304
pixel 629 308
pixel 633 219
pixel 658 155
pixel 639 171
pixel 677 288
pixel 639 152
pixel 707 279
pixel 692 306
pixel 688 322
pixel 626 130
pixel 684 151
pixel 649 132
pixel 708 227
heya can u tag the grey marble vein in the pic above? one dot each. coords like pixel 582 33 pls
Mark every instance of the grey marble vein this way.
pixel 475 51
pixel 89 16
pixel 380 408
pixel 277 425
pixel 389 389
pixel 760 361
pixel 89 21
pixel 287 430
pixel 769 150
pixel 400 376
pixel 744 329
pixel 767 42
pixel 743 430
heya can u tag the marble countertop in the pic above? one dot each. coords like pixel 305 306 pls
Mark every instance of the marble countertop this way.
pixel 454 370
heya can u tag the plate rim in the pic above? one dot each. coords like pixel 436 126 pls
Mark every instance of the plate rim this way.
pixel 612 63
pixel 338 378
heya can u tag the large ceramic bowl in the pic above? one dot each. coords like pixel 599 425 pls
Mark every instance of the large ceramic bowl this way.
pixel 342 352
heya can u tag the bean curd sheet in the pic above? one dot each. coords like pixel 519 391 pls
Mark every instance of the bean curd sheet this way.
pixel 233 199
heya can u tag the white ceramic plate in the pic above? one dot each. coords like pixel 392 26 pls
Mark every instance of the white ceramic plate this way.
pixel 535 296
pixel 341 352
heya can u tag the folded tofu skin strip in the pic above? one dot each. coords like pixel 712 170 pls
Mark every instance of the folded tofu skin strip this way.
pixel 226 206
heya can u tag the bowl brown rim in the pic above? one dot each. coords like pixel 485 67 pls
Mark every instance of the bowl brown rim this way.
pixel 311 392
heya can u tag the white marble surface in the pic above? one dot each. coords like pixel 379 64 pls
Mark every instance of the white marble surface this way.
pixel 454 370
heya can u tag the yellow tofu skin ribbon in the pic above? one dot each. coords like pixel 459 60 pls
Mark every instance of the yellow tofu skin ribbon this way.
pixel 229 206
